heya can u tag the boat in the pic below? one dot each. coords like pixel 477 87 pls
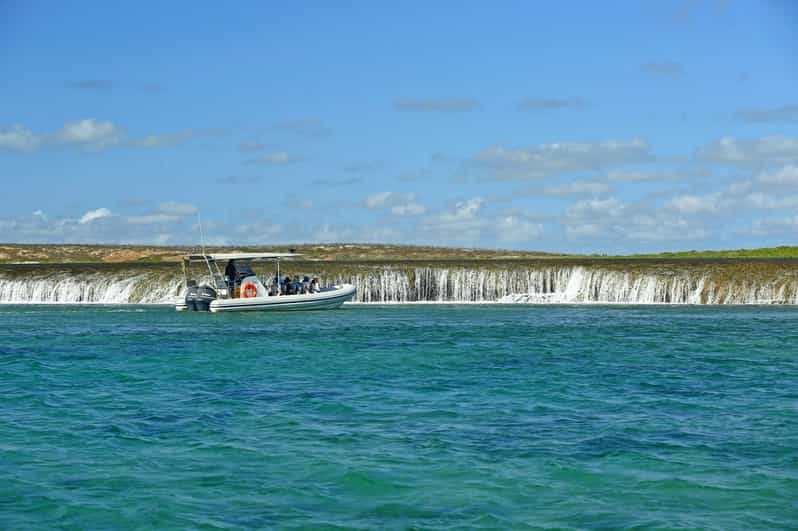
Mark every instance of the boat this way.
pixel 239 289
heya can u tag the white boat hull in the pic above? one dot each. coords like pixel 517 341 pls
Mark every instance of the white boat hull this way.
pixel 326 299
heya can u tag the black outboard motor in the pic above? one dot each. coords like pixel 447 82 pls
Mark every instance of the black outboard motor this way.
pixel 199 298
pixel 191 295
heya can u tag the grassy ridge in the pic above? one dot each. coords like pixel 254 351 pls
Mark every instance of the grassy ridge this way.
pixel 76 254
pixel 69 253
pixel 783 251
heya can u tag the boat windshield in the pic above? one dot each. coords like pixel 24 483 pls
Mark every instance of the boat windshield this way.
pixel 237 269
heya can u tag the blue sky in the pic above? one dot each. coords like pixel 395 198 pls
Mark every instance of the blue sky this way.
pixel 566 126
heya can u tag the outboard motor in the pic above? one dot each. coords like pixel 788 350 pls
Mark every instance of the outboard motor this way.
pixel 191 295
pixel 199 298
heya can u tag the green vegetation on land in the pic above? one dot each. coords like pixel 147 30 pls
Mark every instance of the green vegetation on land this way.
pixel 127 254
pixel 783 251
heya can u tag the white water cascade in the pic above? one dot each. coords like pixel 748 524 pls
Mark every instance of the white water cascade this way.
pixel 536 284
pixel 90 287
pixel 571 284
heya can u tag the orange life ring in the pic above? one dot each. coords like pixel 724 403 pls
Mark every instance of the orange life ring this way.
pixel 249 290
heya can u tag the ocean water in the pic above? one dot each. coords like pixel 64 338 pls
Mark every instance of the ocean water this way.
pixel 432 417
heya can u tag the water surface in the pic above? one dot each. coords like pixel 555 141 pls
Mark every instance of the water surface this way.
pixel 404 416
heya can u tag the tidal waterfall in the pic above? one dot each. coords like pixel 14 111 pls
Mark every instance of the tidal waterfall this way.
pixel 539 283
pixel 90 287
pixel 572 284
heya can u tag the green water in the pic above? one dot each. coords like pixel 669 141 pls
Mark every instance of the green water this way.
pixel 431 417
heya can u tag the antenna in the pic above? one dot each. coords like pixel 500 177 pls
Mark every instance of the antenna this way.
pixel 202 234
pixel 202 243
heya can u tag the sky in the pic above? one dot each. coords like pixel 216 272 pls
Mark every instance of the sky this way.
pixel 569 126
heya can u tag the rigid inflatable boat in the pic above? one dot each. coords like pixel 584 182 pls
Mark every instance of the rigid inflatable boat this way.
pixel 239 289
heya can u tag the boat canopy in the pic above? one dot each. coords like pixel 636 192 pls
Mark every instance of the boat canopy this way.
pixel 237 256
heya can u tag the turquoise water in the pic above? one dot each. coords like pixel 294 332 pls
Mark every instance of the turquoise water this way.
pixel 392 417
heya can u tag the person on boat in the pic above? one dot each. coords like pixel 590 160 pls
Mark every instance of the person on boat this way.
pixel 314 285
pixel 297 285
pixel 306 284
pixel 275 287
pixel 289 286
pixel 230 277
pixel 276 281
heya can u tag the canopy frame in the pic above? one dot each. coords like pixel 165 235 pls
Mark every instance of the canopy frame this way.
pixel 223 257
pixel 214 259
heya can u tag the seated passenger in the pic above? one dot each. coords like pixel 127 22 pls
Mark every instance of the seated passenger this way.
pixel 306 284
pixel 314 285
pixel 289 286
pixel 274 289
pixel 297 285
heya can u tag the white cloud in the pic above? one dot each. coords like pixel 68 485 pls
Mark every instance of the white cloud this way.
pixel 173 139
pixel 408 209
pixel 307 127
pixel 398 203
pixel 96 85
pixel 464 210
pixel 786 176
pixel 259 232
pixel 276 158
pixel 739 188
pixel 337 182
pixel 670 69
pixel 248 146
pixel 694 204
pixel 93 215
pixel 152 141
pixel 737 197
pixel 332 233
pixel 639 176
pixel 785 114
pixel 177 209
pixel 460 223
pixel 761 200
pixel 294 202
pixel 445 105
pixel 364 166
pixel 150 219
pixel 551 104
pixel 613 219
pixel 99 226
pixel 89 133
pixel 648 227
pixel 92 135
pixel 772 226
pixel 379 199
pixel 592 217
pixel 517 229
pixel 544 160
pixel 167 212
pixel 578 188
pixel 586 208
pixel 19 138
pixel 747 153
pixel 466 222
pixel 163 238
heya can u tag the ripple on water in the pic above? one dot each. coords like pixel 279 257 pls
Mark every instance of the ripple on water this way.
pixel 427 417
